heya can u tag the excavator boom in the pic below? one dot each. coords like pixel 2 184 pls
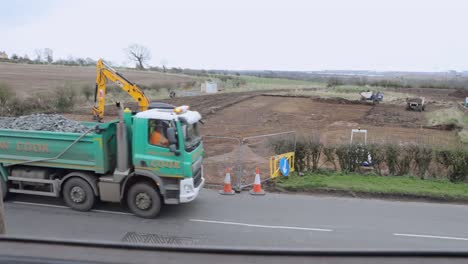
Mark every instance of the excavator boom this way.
pixel 104 73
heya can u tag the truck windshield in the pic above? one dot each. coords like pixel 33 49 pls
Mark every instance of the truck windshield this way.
pixel 191 136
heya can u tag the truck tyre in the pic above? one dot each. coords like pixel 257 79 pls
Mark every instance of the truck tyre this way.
pixel 78 194
pixel 3 187
pixel 143 200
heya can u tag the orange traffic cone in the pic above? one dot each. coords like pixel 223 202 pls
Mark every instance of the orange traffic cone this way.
pixel 227 190
pixel 257 186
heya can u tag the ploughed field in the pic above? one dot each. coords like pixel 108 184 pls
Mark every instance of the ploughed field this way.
pixel 28 79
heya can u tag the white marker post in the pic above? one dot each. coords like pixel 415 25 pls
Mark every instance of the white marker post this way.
pixel 363 131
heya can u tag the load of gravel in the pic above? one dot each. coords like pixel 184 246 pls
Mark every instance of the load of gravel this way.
pixel 42 122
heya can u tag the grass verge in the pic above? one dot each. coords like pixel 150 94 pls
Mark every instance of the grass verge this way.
pixel 376 185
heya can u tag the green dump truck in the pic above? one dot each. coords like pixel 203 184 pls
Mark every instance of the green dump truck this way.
pixel 112 162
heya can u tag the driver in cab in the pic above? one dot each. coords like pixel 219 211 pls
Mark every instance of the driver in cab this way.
pixel 157 135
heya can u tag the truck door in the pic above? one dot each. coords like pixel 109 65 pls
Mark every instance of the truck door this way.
pixel 156 155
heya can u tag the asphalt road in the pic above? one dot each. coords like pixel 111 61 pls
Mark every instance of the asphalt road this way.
pixel 274 220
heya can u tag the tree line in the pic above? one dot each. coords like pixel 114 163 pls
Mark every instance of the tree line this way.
pixel 136 53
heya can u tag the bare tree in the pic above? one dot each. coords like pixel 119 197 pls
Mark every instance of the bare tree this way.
pixel 139 54
pixel 48 55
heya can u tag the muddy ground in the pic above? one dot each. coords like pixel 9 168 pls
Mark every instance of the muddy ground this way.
pixel 240 115
pixel 330 122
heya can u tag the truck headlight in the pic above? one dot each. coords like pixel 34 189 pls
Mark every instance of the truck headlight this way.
pixel 188 188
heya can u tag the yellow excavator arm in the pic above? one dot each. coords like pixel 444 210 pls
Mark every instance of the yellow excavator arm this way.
pixel 103 73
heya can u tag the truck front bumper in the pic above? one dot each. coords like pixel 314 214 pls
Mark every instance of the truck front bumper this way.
pixel 188 192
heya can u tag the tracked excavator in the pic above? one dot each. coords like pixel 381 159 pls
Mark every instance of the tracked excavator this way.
pixel 104 73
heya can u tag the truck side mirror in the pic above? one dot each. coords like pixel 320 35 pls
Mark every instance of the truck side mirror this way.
pixel 173 148
pixel 171 136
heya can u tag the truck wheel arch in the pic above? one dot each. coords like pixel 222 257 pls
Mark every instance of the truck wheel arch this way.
pixel 142 174
pixel 92 180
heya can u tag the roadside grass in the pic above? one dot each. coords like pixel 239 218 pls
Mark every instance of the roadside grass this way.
pixel 378 185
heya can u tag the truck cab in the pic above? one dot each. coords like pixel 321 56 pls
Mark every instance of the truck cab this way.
pixel 166 154
pixel 176 158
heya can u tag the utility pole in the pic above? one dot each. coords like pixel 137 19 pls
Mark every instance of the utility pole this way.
pixel 2 215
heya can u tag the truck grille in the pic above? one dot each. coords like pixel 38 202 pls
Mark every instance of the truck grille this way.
pixel 197 178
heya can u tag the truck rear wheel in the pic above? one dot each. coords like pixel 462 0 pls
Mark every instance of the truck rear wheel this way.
pixel 78 194
pixel 143 200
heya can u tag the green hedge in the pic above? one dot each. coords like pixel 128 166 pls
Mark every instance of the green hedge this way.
pixel 384 159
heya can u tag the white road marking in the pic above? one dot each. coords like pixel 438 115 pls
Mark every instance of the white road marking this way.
pixel 111 212
pixel 61 206
pixel 261 226
pixel 40 204
pixel 431 236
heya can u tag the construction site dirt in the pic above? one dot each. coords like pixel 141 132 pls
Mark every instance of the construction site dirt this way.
pixel 240 115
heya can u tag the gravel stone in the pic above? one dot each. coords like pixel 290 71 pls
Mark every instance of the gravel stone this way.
pixel 43 122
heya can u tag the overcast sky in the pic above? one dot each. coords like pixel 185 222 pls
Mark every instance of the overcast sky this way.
pixel 246 34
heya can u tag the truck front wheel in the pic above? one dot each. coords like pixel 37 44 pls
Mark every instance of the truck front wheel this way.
pixel 78 194
pixel 143 200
